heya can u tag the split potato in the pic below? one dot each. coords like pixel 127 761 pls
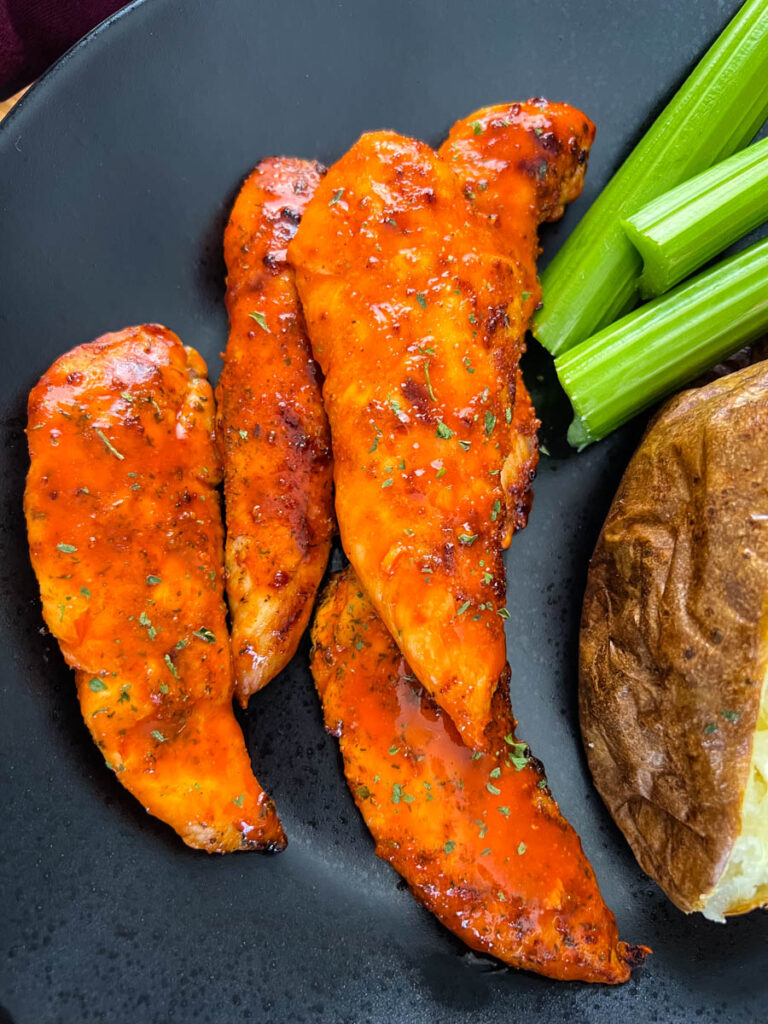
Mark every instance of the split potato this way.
pixel 673 694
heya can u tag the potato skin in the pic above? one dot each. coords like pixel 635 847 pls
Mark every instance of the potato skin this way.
pixel 673 636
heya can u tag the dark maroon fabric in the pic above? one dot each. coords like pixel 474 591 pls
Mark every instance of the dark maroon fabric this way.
pixel 33 33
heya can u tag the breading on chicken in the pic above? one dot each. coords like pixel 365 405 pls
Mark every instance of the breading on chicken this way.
pixel 126 539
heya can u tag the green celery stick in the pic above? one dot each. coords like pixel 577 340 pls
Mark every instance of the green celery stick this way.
pixel 717 110
pixel 629 365
pixel 684 228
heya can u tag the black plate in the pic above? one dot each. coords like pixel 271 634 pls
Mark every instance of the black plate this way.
pixel 116 175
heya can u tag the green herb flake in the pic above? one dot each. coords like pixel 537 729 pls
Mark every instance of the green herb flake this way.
pixel 709 729
pixel 238 800
pixel 393 750
pixel 525 296
pixel 243 434
pixel 494 790
pixel 397 793
pixel 441 472
pixel 108 444
pixel 387 483
pixel 468 365
pixel 465 445
pixel 163 688
pixel 96 685
pixel 495 773
pixel 450 846
pixel 260 319
pixel 521 849
pixel 490 422
pixel 422 300
pixel 153 581
pixel 467 539
pixel 204 634
pixel 429 382
pixel 336 196
pixel 477 128
pixel 508 414
pixel 443 430
pixel 362 792
pixel 476 755
pixel 157 735
pixel 502 613
pixel 495 510
pixel 66 549
pixel 171 667
pixel 463 608
pixel 126 396
pixel 503 810
pixel 86 593
pixel 486 851
pixel 407 798
pixel 731 716
pixel 542 784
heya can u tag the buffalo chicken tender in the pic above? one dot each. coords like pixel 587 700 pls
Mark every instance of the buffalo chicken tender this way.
pixel 478 837
pixel 674 649
pixel 126 540
pixel 417 317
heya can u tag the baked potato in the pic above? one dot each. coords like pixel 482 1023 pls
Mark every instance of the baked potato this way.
pixel 673 694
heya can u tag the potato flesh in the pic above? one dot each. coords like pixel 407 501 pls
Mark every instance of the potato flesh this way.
pixel 744 882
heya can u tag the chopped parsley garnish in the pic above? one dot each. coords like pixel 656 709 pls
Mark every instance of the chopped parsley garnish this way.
pixel 429 382
pixel 164 688
pixel 96 685
pixel 86 593
pixel 450 846
pixel 495 510
pixel 517 755
pixel 731 716
pixel 467 365
pixel 375 444
pixel 397 793
pixel 145 621
pixel 157 735
pixel 467 539
pixel 422 300
pixel 238 800
pixel 477 128
pixel 521 849
pixel 508 414
pixel 336 196
pixel 260 319
pixel 171 667
pixel 108 444
pixel 441 472
pixel 712 727
pixel 126 396
pixel 395 405
pixel 502 613
pixel 393 750
pixel 490 422
pixel 503 810
pixel 465 445
pixel 363 792
pixel 486 851
pixel 463 608
pixel 152 581
pixel 443 430
pixel 492 789
pixel 387 483
pixel 243 434
pixel 67 549
pixel 204 634
pixel 526 296
pixel 495 772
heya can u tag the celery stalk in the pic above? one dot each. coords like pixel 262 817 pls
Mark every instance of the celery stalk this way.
pixel 632 363
pixel 717 110
pixel 684 228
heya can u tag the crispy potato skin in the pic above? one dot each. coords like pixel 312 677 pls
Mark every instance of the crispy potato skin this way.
pixel 273 432
pixel 417 318
pixel 674 629
pixel 126 539
pixel 480 840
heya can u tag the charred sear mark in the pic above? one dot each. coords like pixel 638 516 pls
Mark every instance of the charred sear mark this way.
pixel 272 263
pixel 549 142
pixel 496 317
pixel 416 393
pixel 291 215
pixel 535 168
